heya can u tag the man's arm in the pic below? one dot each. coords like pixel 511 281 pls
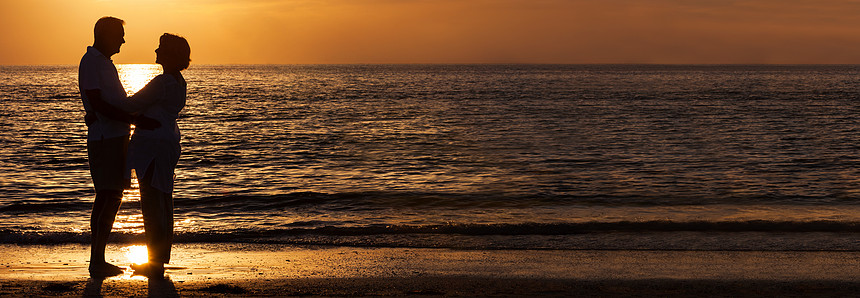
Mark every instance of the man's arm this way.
pixel 99 105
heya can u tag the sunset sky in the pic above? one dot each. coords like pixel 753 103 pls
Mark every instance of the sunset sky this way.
pixel 444 31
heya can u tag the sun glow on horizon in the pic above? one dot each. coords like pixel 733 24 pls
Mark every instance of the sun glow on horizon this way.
pixel 444 31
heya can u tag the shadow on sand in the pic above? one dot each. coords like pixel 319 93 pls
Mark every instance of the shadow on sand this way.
pixel 156 287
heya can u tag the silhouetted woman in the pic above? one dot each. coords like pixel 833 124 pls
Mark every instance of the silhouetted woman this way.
pixel 153 154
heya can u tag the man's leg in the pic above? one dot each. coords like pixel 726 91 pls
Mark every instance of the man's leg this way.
pixel 107 167
pixel 105 208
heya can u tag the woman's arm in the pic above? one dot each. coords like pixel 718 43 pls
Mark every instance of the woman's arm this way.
pixel 149 95
pixel 99 105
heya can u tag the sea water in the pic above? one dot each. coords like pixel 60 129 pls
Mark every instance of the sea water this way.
pixel 465 156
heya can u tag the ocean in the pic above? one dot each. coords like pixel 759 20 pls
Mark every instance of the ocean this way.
pixel 653 157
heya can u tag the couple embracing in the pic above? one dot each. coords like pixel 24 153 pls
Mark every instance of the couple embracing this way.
pixel 153 150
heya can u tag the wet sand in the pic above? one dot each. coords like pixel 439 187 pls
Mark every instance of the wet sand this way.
pixel 279 270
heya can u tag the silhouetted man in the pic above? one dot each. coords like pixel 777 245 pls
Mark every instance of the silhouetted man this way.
pixel 107 136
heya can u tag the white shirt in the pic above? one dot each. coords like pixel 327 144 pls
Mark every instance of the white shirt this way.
pixel 98 72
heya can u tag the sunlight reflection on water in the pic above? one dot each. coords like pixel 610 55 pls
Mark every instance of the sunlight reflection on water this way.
pixel 135 76
pixel 129 223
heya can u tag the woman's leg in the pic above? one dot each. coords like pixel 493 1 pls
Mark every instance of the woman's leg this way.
pixel 157 219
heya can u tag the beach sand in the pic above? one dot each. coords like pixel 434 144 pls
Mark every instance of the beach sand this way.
pixel 222 269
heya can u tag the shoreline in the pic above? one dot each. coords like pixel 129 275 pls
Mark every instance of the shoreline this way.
pixel 436 286
pixel 264 269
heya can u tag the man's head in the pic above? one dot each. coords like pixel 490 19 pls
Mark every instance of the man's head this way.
pixel 109 35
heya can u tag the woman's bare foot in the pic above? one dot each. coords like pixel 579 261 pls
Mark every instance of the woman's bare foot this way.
pixel 151 270
pixel 104 269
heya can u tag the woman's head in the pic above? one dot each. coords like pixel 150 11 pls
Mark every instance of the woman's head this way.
pixel 173 52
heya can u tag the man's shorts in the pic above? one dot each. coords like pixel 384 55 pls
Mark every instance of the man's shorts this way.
pixel 107 163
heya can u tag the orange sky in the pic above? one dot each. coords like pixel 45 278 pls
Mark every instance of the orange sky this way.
pixel 444 31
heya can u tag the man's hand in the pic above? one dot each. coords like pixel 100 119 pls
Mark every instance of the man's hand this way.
pixel 90 118
pixel 147 123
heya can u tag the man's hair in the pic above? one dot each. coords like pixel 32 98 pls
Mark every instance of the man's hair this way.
pixel 106 25
pixel 178 47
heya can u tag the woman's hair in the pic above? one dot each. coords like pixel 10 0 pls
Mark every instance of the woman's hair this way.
pixel 178 48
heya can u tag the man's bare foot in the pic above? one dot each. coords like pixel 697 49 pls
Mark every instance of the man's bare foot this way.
pixel 104 269
pixel 151 270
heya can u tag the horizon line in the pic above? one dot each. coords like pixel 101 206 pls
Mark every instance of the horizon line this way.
pixel 482 63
